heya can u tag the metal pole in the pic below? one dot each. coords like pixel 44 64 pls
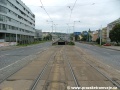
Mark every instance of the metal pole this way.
pixel 16 37
pixel 100 35
pixel 74 27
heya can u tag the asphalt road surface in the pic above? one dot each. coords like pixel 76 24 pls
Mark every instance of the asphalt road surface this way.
pixel 107 56
pixel 8 57
pixel 58 68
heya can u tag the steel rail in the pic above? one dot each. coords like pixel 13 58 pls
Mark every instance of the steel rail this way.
pixel 73 74
pixel 1 81
pixel 35 83
pixel 113 82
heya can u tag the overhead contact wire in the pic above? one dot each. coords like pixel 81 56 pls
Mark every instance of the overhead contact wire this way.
pixel 45 10
pixel 72 10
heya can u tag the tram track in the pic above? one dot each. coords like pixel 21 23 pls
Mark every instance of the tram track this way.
pixel 98 70
pixel 58 68
pixel 55 82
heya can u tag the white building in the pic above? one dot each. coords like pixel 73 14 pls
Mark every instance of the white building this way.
pixel 110 26
pixel 17 22
pixel 38 34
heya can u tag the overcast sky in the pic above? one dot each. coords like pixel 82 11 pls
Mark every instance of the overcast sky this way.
pixel 91 14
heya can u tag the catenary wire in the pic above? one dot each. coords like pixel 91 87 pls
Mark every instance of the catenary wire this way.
pixel 45 10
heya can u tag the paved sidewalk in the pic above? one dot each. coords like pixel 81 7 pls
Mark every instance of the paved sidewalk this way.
pixel 112 47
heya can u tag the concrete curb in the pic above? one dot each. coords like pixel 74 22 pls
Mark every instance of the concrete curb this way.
pixel 103 47
pixel 110 48
pixel 106 47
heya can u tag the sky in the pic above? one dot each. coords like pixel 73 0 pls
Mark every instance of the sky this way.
pixel 92 14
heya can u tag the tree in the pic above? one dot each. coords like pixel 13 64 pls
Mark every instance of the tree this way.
pixel 115 34
pixel 84 38
pixel 71 36
pixel 48 37
pixel 98 40
pixel 77 37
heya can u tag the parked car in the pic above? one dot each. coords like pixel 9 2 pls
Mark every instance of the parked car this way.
pixel 107 44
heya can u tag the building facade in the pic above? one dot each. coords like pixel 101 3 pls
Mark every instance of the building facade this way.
pixel 104 34
pixel 17 22
pixel 38 34
pixel 110 26
pixel 95 35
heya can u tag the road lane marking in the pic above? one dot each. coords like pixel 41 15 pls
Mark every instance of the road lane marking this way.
pixel 20 60
pixel 4 55
pixel 13 63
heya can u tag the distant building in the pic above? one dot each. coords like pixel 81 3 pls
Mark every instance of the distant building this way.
pixel 17 22
pixel 95 35
pixel 110 26
pixel 77 33
pixel 84 33
pixel 44 34
pixel 54 37
pixel 38 34
pixel 90 35
pixel 104 34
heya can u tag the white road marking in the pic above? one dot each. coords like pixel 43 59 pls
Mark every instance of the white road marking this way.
pixel 12 63
pixel 19 60
pixel 4 55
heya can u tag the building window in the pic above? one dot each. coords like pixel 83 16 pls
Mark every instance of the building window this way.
pixel 3 9
pixel 3 27
pixel 3 1
pixel 3 18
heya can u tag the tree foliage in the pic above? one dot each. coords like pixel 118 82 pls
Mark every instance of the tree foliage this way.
pixel 77 37
pixel 48 37
pixel 115 34
pixel 84 38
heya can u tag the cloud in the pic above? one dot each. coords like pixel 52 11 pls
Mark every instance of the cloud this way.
pixel 91 13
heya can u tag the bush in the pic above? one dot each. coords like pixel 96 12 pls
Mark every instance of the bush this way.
pixel 117 44
pixel 71 43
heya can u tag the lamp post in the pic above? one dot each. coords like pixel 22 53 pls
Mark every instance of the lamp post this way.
pixel 68 27
pixel 74 25
pixel 52 27
pixel 74 29
pixel 55 27
pixel 52 24
pixel 16 37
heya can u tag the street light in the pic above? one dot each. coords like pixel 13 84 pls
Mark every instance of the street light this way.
pixel 74 30
pixel 16 37
pixel 74 25
pixel 52 27
pixel 55 27
pixel 68 27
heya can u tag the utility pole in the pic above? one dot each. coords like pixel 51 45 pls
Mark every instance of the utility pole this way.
pixel 89 35
pixel 16 37
pixel 74 29
pixel 52 27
